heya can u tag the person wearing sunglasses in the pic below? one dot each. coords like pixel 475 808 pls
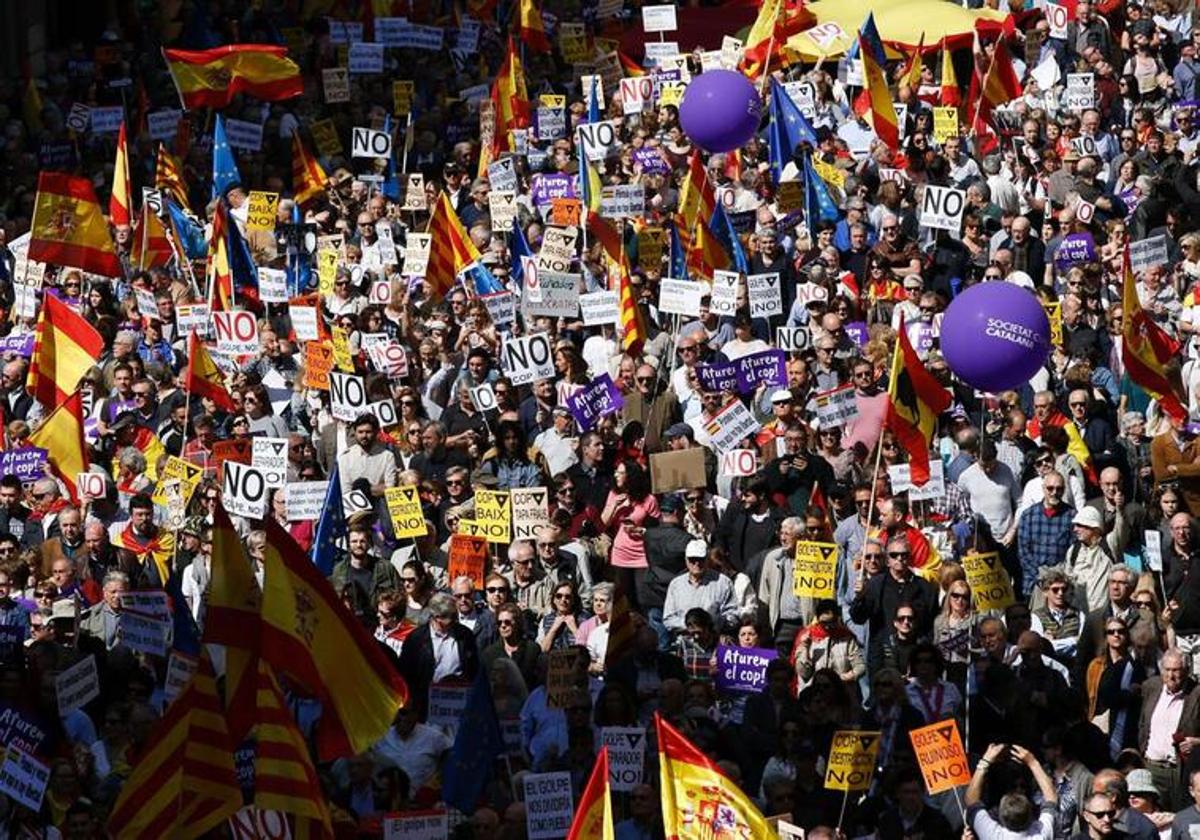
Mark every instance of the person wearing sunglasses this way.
pixel 878 600
pixel 512 644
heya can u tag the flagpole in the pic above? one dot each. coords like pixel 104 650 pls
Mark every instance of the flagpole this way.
pixel 766 71
pixel 145 237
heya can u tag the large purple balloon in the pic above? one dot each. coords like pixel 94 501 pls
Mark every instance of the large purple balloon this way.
pixel 995 336
pixel 720 110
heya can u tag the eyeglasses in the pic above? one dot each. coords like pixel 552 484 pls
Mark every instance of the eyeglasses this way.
pixel 454 482
pixel 645 380
pixel 1143 602
pixel 1058 588
pixel 566 489
pixel 492 590
pixel 458 595
pixel 691 500
pixel 904 618
pixel 1077 404
pixel 384 613
pixel 897 554
pixel 142 394
pixel 547 545
pixel 505 622
pixel 1104 815
pixel 409 581
pixel 562 596
pixel 959 595
pixel 40 594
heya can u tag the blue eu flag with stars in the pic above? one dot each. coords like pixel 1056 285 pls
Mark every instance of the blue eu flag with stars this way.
pixel 331 527
pixel 517 249
pixel 225 171
pixel 818 204
pixel 788 129
pixel 477 745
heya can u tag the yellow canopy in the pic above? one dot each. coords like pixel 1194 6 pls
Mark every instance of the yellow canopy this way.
pixel 900 23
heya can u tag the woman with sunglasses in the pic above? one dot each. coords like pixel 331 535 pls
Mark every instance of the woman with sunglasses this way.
pixel 558 627
pixel 509 460
pixel 956 627
pixel 1114 682
pixel 263 420
pixel 514 645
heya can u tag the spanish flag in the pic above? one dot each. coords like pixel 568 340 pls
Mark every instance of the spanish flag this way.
pixel 950 94
pixel 168 176
pixel 697 199
pixel 61 435
pixel 1146 349
pixel 878 97
pixel 204 378
pixel 915 399
pixel 593 814
pixel 69 228
pixel 308 178
pixel 996 86
pixel 312 639
pixel 912 73
pixel 66 347
pixel 150 248
pixel 698 800
pixel 511 100
pixel 450 250
pixel 31 106
pixel 630 67
pixel 120 203
pixel 214 77
pixel 220 280
pixel 758 40
pixel 183 782
pixel 706 254
pixel 531 30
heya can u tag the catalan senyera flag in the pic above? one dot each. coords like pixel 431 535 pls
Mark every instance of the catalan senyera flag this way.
pixel 999 84
pixel 168 176
pixel 65 348
pixel 875 86
pixel 150 247
pixel 61 435
pixel 284 777
pixel 693 785
pixel 911 75
pixel 213 77
pixel 204 378
pixel 633 327
pixel 183 782
pixel 915 399
pixel 511 101
pixel 120 203
pixel 697 199
pixel 234 603
pixel 593 813
pixel 450 248
pixel 531 29
pixel 308 178
pixel 312 639
pixel 949 94
pixel 1146 349
pixel 68 227
pixel 609 237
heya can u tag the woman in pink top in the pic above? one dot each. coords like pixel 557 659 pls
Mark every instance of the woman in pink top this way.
pixel 630 503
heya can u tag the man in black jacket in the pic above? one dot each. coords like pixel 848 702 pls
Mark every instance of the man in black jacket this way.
pixel 441 649
pixel 749 525
pixel 665 546
pixel 877 600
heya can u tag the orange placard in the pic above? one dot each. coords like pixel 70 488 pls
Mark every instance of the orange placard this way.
pixel 468 556
pixel 318 361
pixel 941 756
pixel 565 211
pixel 238 449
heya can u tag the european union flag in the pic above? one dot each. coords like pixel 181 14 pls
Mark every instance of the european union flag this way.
pixel 331 527
pixel 189 232
pixel 225 171
pixel 241 263
pixel 299 264
pixel 485 282
pixel 519 247
pixel 788 129
pixel 722 228
pixel 593 115
pixel 187 634
pixel 391 181
pixel 678 256
pixel 478 744
pixel 818 204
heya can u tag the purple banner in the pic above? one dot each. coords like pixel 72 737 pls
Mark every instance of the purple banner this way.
pixel 548 187
pixel 858 332
pixel 27 463
pixel 596 400
pixel 1075 248
pixel 921 336
pixel 21 729
pixel 721 376
pixel 743 669
pixel 651 161
pixel 768 367
pixel 22 345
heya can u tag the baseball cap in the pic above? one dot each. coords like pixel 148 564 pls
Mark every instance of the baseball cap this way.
pixel 1089 517
pixel 696 548
pixel 678 430
pixel 781 396
pixel 670 504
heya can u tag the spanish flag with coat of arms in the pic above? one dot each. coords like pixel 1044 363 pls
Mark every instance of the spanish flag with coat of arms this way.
pixel 69 228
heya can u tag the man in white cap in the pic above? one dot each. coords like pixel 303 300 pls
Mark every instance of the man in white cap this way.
pixel 1090 559
pixel 699 586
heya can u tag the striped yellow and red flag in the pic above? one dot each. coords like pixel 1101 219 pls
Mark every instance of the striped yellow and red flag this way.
pixel 150 247
pixel 876 97
pixel 69 228
pixel 220 272
pixel 705 254
pixel 911 75
pixel 629 67
pixel 450 248
pixel 511 101
pixel 66 347
pixel 204 378
pixel 1146 349
pixel 759 39
pixel 915 399
pixel 183 783
pixel 694 789
pixel 593 815
pixel 697 199
pixel 284 777
pixel 531 29
pixel 312 639
pixel 168 176
pixel 61 435
pixel 950 94
pixel 120 203
pixel 308 178
pixel 214 77
pixel 997 85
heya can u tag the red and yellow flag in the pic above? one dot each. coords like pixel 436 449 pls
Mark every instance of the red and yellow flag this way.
pixel 697 199
pixel 120 203
pixel 220 272
pixel 705 254
pixel 450 248
pixel 168 177
pixel 61 435
pixel 204 378
pixel 511 101
pixel 698 800
pixel 633 328
pixel 65 348
pixel 68 227
pixel 758 39
pixel 214 77
pixel 911 75
pixel 915 399
pixel 150 247
pixel 531 29
pixel 183 782
pixel 308 178
pixel 996 86
pixel 593 814
pixel 878 98
pixel 950 94
pixel 312 639
pixel 1146 349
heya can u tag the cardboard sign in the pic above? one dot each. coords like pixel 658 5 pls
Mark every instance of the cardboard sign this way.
pixel 764 294
pixel 404 509
pixel 261 213
pixel 468 558
pixel 244 490
pixel 836 407
pixel 530 511
pixel 945 124
pixel 502 207
pixel 989 581
pixel 623 201
pixel 180 670
pixel 732 424
pixel 561 668
pixel 336 81
pixel 815 570
pixel 942 208
pixel 77 686
pixel 1054 315
pixel 679 470
pixel 851 764
pixel 940 753
pixel 626 755
pixel 402 96
pixel 743 670
pixel 548 805
pixel 493 515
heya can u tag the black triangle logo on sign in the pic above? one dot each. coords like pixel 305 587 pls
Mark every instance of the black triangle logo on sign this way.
pixel 865 742
pixel 947 731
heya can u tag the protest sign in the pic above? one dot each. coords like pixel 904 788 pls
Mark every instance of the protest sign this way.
pixel 743 669
pixel 738 462
pixel 527 359
pixel 851 764
pixel 150 602
pixel 23 778
pixel 502 206
pixel 768 367
pixel 626 755
pixel 244 490
pixel 530 511
pixel 597 399
pixel 548 805
pixel 1148 253
pixel 1153 551
pixel 347 396
pixel 1075 248
pixel 141 633
pixel 272 285
pixel 493 515
pixel 404 509
pixel 942 208
pixel 559 296
pixel 679 470
pixel 941 756
pixel 26 463
pixel 366 58
pixel 447 700
pixel 815 570
pixel 180 669
pixel 561 669
pixel 623 201
pixel 989 581
pixel 934 488
pixel 416 825
pixel 318 364
pixel 270 455
pixel 77 686
pixel 793 339
pixel 468 557
pixel 236 332
pixel 945 124
pixel 91 485
pixel 731 425
pixel 764 295
pixel 836 407
pixel 336 81
pixel 679 297
pixel 416 253
pixel 251 823
pixel 717 376
pixel 305 500
pixel 599 308
pixel 1080 93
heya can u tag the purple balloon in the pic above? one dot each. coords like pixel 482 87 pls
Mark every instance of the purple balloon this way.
pixel 720 110
pixel 995 336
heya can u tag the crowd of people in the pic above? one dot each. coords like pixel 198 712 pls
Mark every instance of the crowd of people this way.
pixel 1074 689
